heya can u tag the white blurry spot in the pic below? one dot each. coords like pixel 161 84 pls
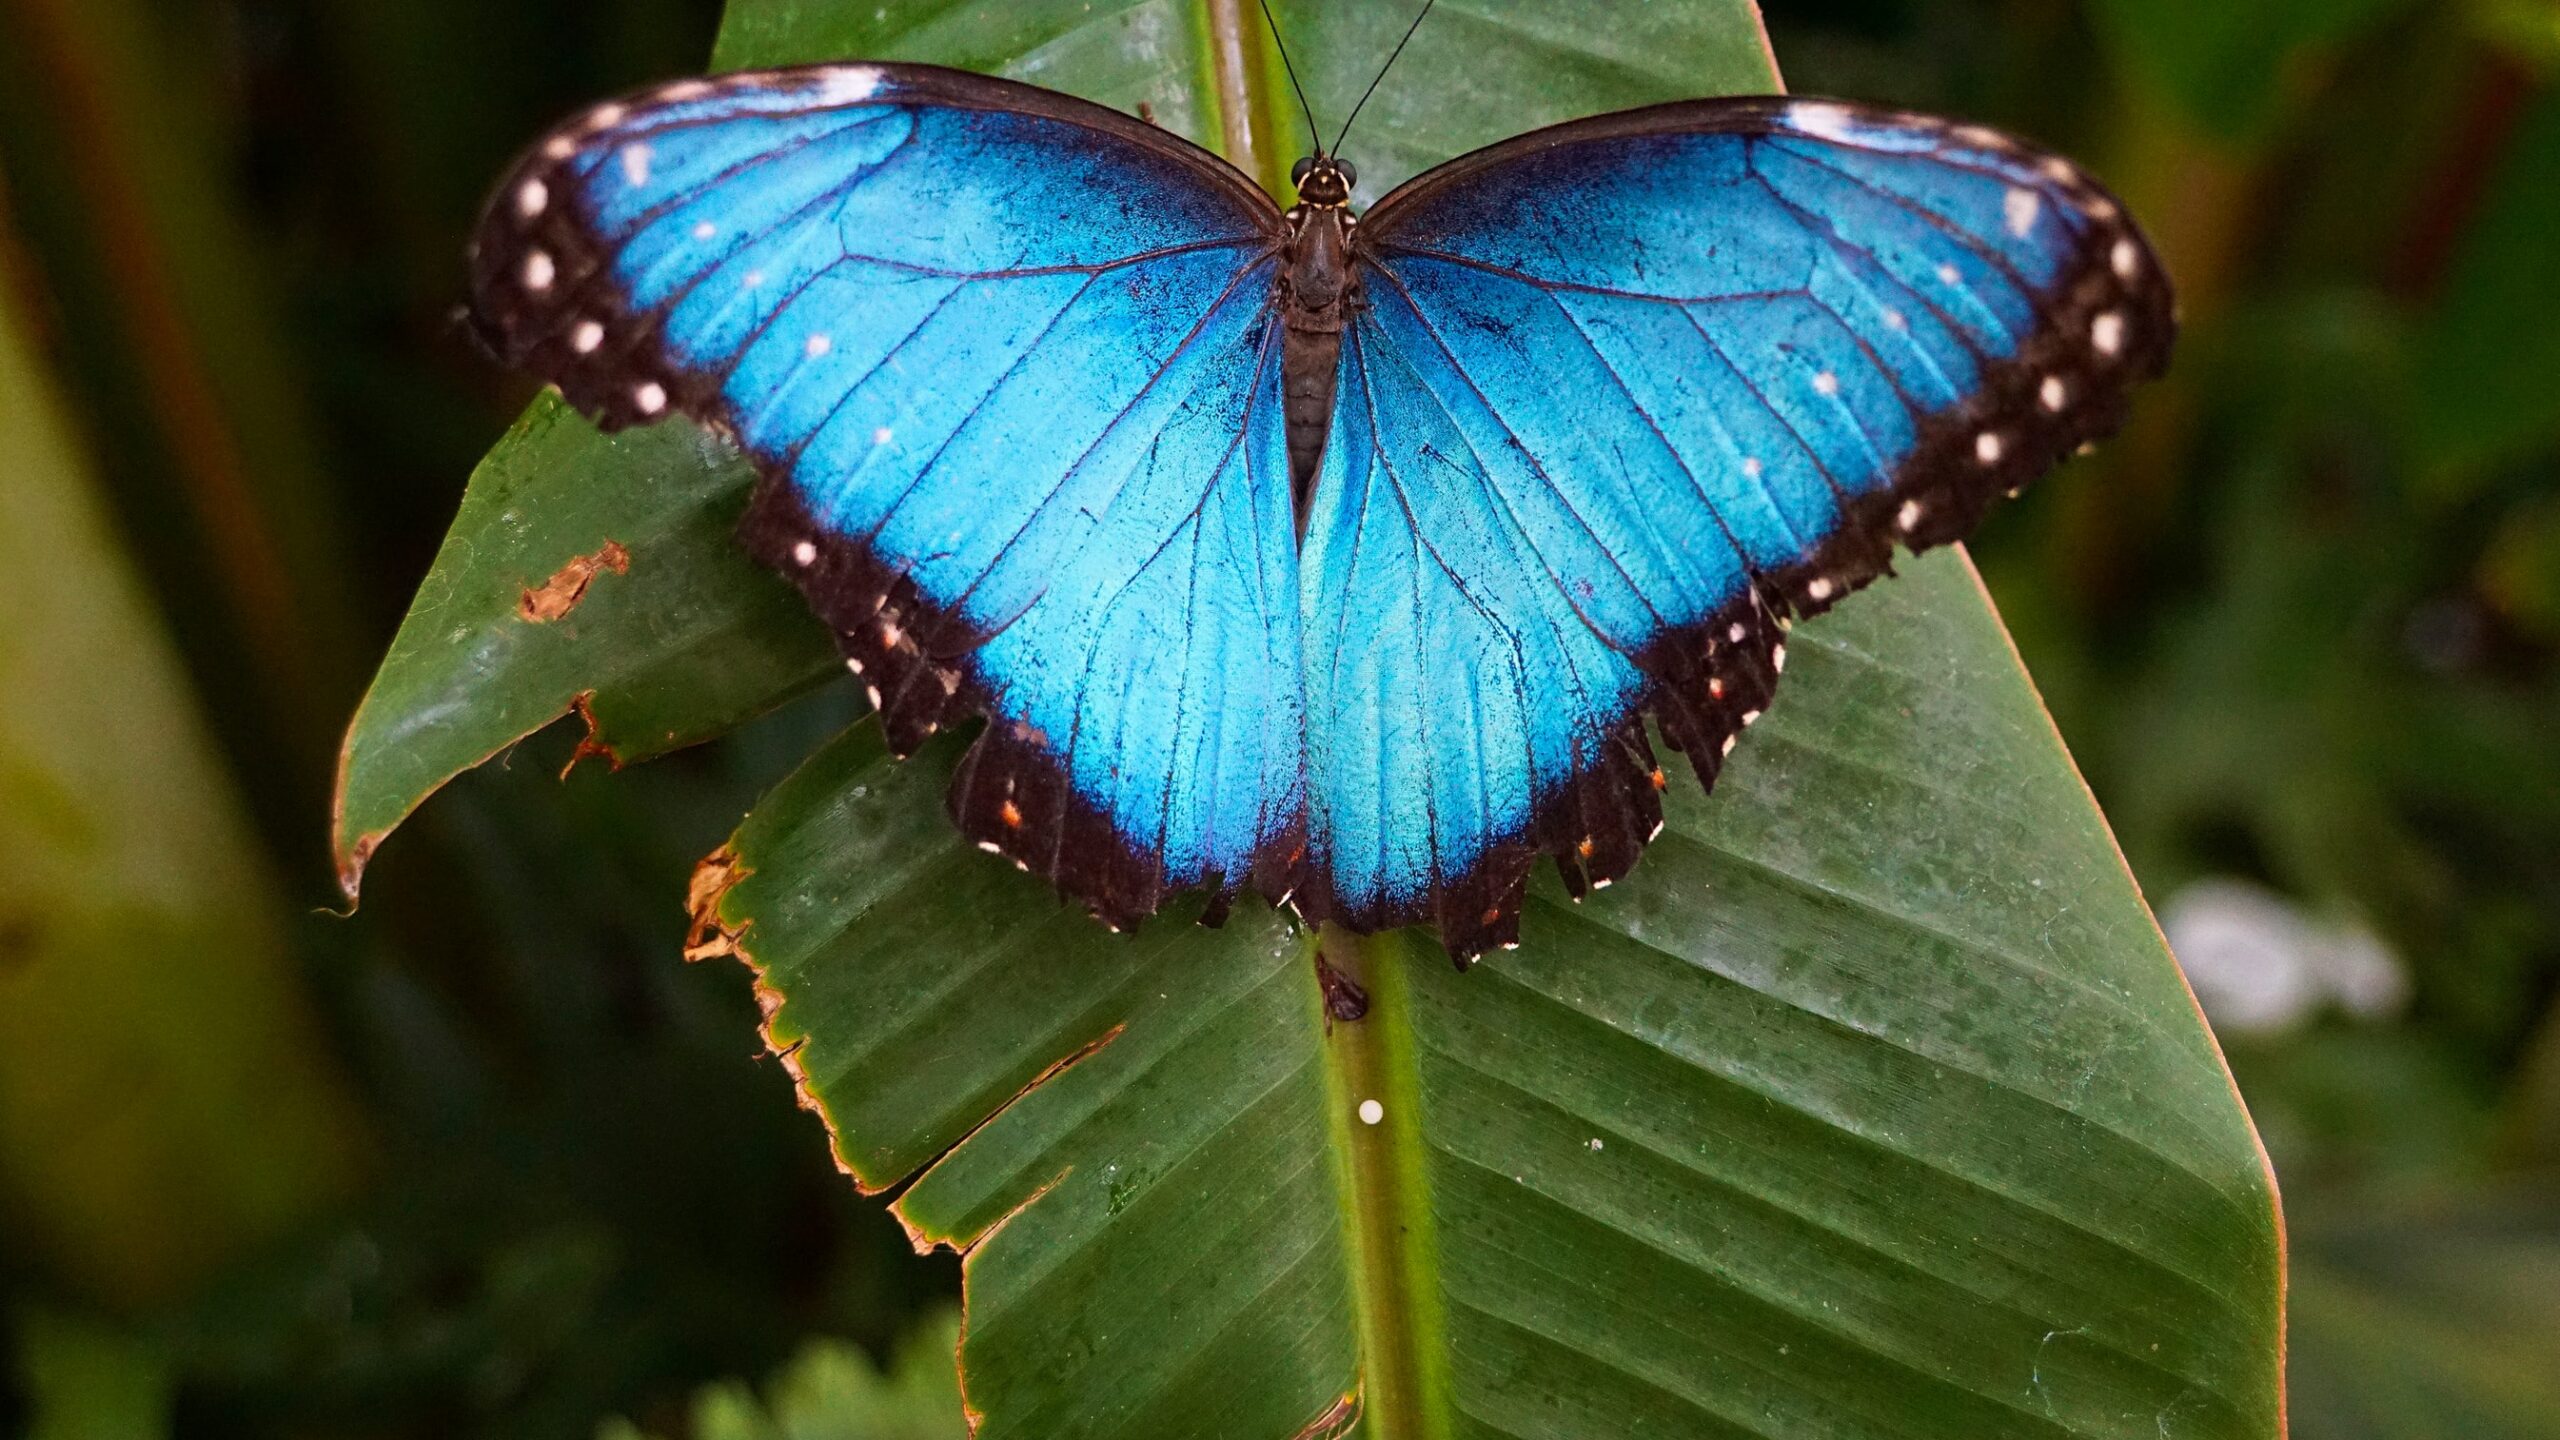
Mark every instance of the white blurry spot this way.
pixel 635 163
pixel 2057 168
pixel 532 198
pixel 686 90
pixel 586 337
pixel 1751 466
pixel 606 116
pixel 819 345
pixel 559 147
pixel 1750 717
pixel 1987 447
pixel 539 272
pixel 991 847
pixel 872 692
pixel 1826 383
pixel 1896 320
pixel 883 435
pixel 849 84
pixel 1371 1112
pixel 1831 122
pixel 1980 137
pixel 2107 333
pixel 2126 258
pixel 705 230
pixel 754 280
pixel 1595 1142
pixel 1736 633
pixel 890 634
pixel 2021 207
pixel 1908 517
pixel 2053 393
pixel 2259 964
pixel 1819 588
pixel 651 398
pixel 806 553
pixel 1949 275
pixel 1778 658
pixel 1730 741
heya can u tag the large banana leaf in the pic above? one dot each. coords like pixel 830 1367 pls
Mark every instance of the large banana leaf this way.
pixel 1872 1104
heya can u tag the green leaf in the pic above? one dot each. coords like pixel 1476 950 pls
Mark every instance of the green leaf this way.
pixel 1872 1103
pixel 2486 358
pixel 585 572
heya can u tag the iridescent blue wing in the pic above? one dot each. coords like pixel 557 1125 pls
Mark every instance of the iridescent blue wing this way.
pixel 1630 392
pixel 1006 363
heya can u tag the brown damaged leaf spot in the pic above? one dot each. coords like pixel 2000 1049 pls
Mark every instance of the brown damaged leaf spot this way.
pixel 705 937
pixel 1334 1422
pixel 590 745
pixel 560 594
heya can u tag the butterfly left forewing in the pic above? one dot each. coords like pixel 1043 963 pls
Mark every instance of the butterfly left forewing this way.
pixel 1004 363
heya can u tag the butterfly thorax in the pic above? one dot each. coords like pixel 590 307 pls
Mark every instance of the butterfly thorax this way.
pixel 1317 292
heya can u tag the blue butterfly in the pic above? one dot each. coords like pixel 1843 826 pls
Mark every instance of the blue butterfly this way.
pixel 1341 559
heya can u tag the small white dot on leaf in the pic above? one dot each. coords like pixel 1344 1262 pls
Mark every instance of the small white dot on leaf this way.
pixel 1371 1112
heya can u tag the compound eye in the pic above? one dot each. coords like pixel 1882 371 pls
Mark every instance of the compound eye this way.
pixel 1350 177
pixel 1298 172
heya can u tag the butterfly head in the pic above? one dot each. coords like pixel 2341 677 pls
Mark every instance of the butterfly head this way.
pixel 1324 181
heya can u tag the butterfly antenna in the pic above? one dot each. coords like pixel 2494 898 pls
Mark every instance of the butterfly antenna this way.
pixel 1382 72
pixel 1313 134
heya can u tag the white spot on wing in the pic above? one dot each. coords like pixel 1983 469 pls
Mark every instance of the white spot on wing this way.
pixel 1820 587
pixel 586 337
pixel 559 147
pixel 1988 447
pixel 2127 259
pixel 2054 393
pixel 819 344
pixel 754 280
pixel 1908 517
pixel 806 553
pixel 705 230
pixel 605 117
pixel 883 435
pixel 651 398
pixel 1751 466
pixel 1826 383
pixel 2021 207
pixel 1896 320
pixel 532 198
pixel 1950 275
pixel 1831 122
pixel 635 163
pixel 539 272
pixel 849 85
pixel 2107 333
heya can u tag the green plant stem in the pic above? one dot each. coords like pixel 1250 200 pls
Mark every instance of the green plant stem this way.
pixel 1385 1197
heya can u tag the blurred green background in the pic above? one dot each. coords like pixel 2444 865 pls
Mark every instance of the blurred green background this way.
pixel 489 1160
